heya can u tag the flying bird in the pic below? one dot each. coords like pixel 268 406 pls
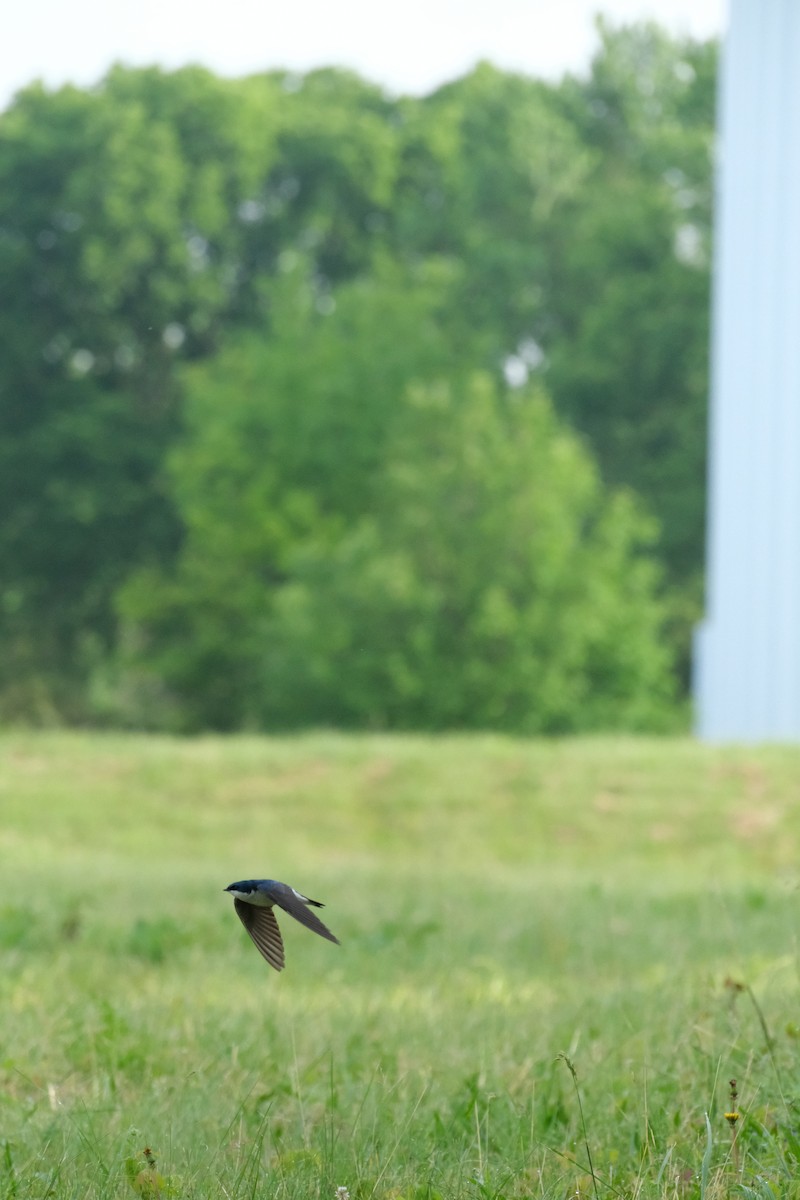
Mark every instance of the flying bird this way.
pixel 254 900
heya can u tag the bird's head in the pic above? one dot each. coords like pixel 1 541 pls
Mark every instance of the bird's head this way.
pixel 245 887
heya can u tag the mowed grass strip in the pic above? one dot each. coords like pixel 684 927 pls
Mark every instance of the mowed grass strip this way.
pixel 630 904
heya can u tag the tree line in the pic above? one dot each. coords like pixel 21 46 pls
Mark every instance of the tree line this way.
pixel 323 406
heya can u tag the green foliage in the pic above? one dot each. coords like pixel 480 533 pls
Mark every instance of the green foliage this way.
pixel 494 587
pixel 368 546
pixel 97 251
pixel 315 242
pixel 628 366
pixel 286 444
pixel 489 165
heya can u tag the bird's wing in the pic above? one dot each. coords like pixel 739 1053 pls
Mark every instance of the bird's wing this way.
pixel 297 906
pixel 260 923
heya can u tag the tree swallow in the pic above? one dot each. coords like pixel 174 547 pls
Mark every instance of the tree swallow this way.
pixel 254 900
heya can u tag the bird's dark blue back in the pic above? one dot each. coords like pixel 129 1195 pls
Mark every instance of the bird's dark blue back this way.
pixel 251 885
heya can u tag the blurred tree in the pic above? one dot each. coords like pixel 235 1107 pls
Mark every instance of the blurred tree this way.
pixel 494 586
pixel 81 434
pixel 628 347
pixel 286 442
pixel 487 162
pixel 366 545
pixel 336 171
pixel 581 213
pixel 135 222
pixel 315 248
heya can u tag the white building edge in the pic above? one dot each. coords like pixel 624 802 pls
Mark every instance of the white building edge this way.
pixel 747 650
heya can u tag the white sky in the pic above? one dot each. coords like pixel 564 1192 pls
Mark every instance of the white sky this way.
pixel 410 46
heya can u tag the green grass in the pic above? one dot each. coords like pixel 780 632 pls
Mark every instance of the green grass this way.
pixel 630 904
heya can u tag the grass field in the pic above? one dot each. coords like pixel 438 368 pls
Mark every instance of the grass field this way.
pixel 629 904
